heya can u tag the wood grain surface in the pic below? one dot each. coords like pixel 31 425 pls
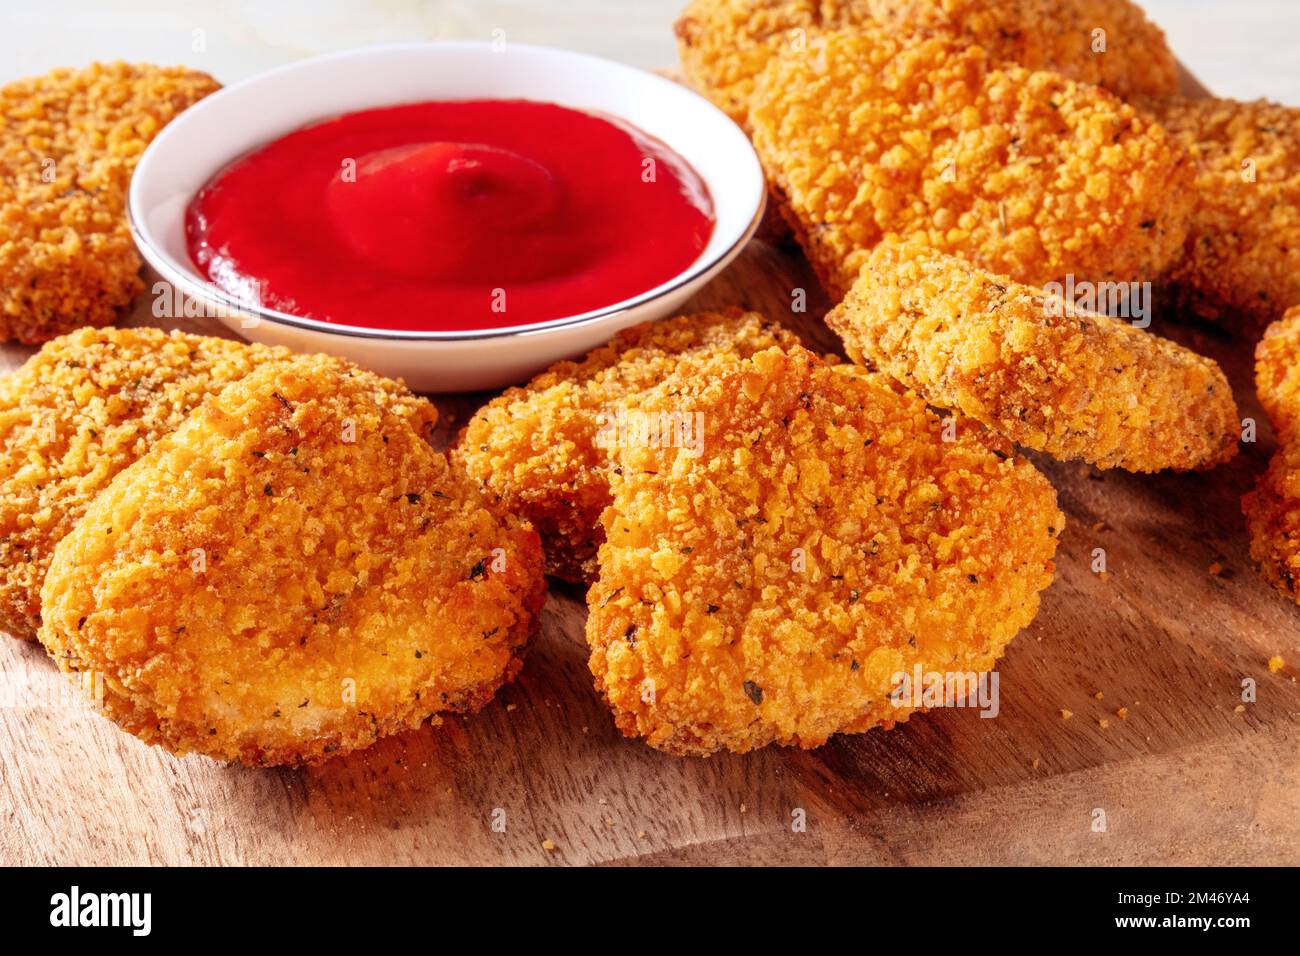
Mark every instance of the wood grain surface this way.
pixel 1190 775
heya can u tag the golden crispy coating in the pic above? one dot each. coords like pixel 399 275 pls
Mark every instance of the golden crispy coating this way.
pixel 1107 42
pixel 540 451
pixel 1277 373
pixel 68 145
pixel 86 406
pixel 1023 173
pixel 826 540
pixel 1242 256
pixel 1273 509
pixel 292 573
pixel 1046 375
pixel 725 44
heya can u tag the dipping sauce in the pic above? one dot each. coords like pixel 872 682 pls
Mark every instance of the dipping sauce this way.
pixel 451 216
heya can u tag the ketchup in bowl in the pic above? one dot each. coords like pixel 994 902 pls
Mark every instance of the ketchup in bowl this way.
pixel 451 216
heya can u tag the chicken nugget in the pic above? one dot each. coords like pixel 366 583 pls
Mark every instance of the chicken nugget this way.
pixel 83 408
pixel 1242 257
pixel 1045 373
pixel 541 450
pixel 68 145
pixel 1273 509
pixel 724 44
pixel 1110 43
pixel 1024 173
pixel 776 581
pixel 293 573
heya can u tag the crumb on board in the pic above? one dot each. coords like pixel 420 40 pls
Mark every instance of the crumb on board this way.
pixel 1103 723
pixel 1066 714
pixel 548 845
pixel 1122 713
pixel 1276 663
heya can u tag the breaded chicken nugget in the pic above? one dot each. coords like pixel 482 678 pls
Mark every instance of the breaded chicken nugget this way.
pixel 724 44
pixel 1023 173
pixel 775 585
pixel 1242 256
pixel 541 451
pixel 68 145
pixel 1046 374
pixel 292 573
pixel 1273 509
pixel 1110 43
pixel 86 406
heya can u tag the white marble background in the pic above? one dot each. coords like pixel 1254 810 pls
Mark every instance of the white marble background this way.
pixel 1241 48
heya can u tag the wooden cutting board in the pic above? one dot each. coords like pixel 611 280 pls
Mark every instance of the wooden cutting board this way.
pixel 1190 775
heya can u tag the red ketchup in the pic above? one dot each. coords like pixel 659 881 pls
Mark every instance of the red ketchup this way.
pixel 451 216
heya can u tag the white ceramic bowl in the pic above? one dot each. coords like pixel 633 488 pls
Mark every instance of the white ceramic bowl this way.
pixel 240 118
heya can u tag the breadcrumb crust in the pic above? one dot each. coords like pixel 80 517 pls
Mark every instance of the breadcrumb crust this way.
pixel 827 539
pixel 1068 382
pixel 1242 257
pixel 535 451
pixel 86 406
pixel 68 146
pixel 291 574
pixel 1272 509
pixel 1023 173
pixel 724 44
